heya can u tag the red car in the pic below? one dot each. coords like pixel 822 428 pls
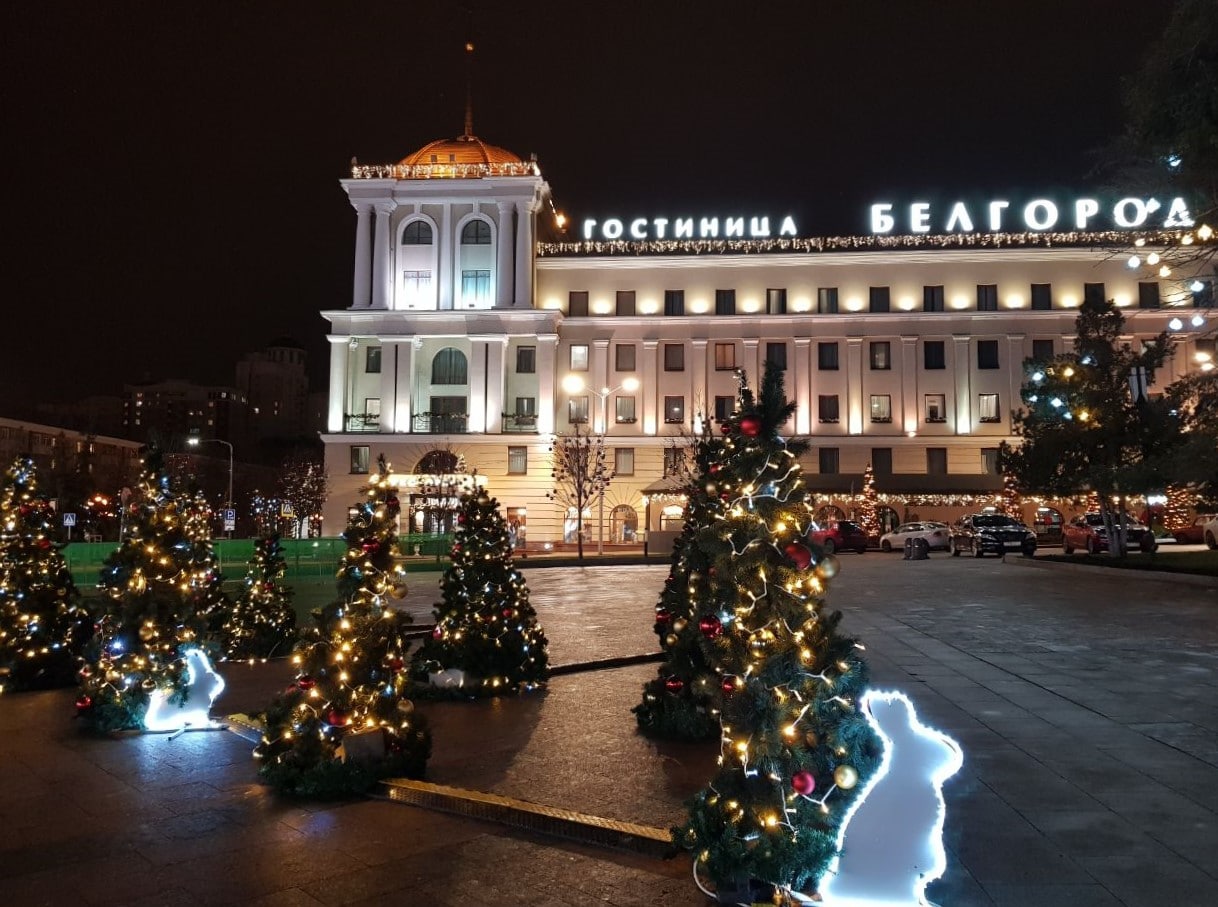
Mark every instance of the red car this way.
pixel 1194 534
pixel 1088 532
pixel 839 535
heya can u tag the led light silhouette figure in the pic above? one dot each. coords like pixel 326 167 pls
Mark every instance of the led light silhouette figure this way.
pixel 203 685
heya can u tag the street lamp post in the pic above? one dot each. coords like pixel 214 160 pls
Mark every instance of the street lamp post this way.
pixel 574 384
pixel 195 442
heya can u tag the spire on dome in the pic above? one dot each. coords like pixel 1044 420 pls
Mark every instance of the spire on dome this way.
pixel 469 89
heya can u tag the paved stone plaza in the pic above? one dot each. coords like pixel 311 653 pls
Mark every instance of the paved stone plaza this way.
pixel 1086 704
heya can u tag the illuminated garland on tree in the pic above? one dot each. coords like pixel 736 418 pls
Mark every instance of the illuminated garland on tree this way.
pixel 868 510
pixel 1178 511
pixel 261 622
pixel 1011 502
pixel 43 627
pixel 353 675
pixel 793 745
pixel 486 640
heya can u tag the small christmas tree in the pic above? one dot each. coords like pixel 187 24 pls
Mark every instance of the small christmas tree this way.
pixel 486 639
pixel 261 623
pixel 794 746
pixel 43 627
pixel 869 507
pixel 154 586
pixel 1012 501
pixel 196 553
pixel 350 695
pixel 682 702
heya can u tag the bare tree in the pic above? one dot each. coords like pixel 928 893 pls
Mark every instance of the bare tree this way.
pixel 303 484
pixel 581 474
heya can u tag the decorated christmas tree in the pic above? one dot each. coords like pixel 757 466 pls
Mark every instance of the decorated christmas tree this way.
pixel 196 553
pixel 346 720
pixel 794 743
pixel 155 583
pixel 869 507
pixel 43 627
pixel 1012 501
pixel 682 702
pixel 1178 511
pixel 261 622
pixel 486 639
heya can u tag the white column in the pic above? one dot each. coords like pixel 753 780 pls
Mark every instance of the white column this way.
pixel 962 407
pixel 444 300
pixel 650 390
pixel 547 345
pixel 338 382
pixel 382 258
pixel 362 282
pixel 504 260
pixel 700 404
pixel 599 379
pixel 854 385
pixel 477 386
pixel 752 366
pixel 803 385
pixel 524 254
pixel 404 413
pixel 389 386
pixel 1015 357
pixel 496 378
pixel 908 419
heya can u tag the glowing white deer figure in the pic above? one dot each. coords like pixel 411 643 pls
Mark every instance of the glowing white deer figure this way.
pixel 891 841
pixel 203 685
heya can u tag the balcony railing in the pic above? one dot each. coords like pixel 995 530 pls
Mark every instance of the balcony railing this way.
pixel 519 422
pixel 361 422
pixel 441 423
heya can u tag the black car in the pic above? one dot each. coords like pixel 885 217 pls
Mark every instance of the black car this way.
pixel 991 533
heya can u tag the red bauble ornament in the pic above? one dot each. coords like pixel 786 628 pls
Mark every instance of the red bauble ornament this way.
pixel 44 544
pixel 437 633
pixel 712 571
pixel 726 428
pixel 799 555
pixel 725 496
pixel 803 783
pixel 714 468
pixel 750 426
pixel 674 684
pixel 663 617
pixel 460 518
pixel 396 664
pixel 337 718
pixel 506 612
pixel 710 626
pixel 729 686
pixel 393 503
pixel 371 546
pixel 25 509
pixel 305 682
pixel 84 703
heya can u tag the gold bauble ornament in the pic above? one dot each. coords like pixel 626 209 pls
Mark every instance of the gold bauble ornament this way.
pixel 679 624
pixel 829 567
pixel 398 592
pixel 148 685
pixel 147 632
pixel 405 707
pixel 810 739
pixel 845 776
pixel 671 639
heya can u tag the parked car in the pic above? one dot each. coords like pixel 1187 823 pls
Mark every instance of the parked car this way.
pixel 991 533
pixel 839 535
pixel 937 536
pixel 1088 532
pixel 1209 534
pixel 1195 534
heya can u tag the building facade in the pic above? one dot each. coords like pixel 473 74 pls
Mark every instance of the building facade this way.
pixel 469 343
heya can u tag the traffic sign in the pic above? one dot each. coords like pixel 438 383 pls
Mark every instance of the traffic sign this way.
pixel 285 509
pixel 69 519
pixel 230 520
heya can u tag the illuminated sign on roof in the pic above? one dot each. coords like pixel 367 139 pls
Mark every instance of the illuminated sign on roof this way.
pixel 1037 215
pixel 640 228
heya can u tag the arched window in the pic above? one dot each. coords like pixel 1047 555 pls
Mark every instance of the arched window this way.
pixel 623 525
pixel 829 512
pixel 439 463
pixel 417 233
pixel 449 367
pixel 476 233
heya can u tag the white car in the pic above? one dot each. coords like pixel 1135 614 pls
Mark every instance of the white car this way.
pixel 1209 534
pixel 937 535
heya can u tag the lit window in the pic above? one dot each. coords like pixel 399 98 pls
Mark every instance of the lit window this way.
pixel 518 461
pixel 881 408
pixel 579 357
pixel 987 408
pixel 674 410
pixel 623 461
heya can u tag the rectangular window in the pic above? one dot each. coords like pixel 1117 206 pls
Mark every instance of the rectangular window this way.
pixel 826 460
pixel 518 461
pixel 579 357
pixel 987 354
pixel 826 300
pixel 674 357
pixel 372 360
pixel 936 461
pixel 1042 297
pixel 878 299
pixel 826 408
pixel 624 409
pixel 932 299
pixel 417 286
pixel 933 355
pixel 724 407
pixel 881 355
pixel 881 461
pixel 826 357
pixel 577 410
pixel 881 408
pixel 1148 295
pixel 987 297
pixel 577 303
pixel 1093 293
pixel 372 407
pixel 674 302
pixel 625 302
pixel 987 408
pixel 526 407
pixel 624 357
pixel 936 408
pixel 989 461
pixel 725 302
pixel 1203 294
pixel 776 354
pixel 674 410
pixel 623 461
pixel 725 357
pixel 776 302
pixel 526 360
pixel 674 461
pixel 359 459
pixel 476 286
pixel 1042 350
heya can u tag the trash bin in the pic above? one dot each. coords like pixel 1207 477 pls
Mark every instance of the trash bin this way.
pixel 917 549
pixel 909 549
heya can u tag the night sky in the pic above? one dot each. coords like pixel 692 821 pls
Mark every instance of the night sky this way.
pixel 173 167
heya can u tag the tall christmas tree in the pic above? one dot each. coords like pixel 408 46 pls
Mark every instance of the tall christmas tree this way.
pixel 201 571
pixel 43 627
pixel 1012 501
pixel 350 695
pixel 869 507
pixel 682 702
pixel 261 622
pixel 155 583
pixel 486 639
pixel 1178 511
pixel 793 744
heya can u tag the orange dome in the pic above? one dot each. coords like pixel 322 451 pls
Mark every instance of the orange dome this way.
pixel 465 149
